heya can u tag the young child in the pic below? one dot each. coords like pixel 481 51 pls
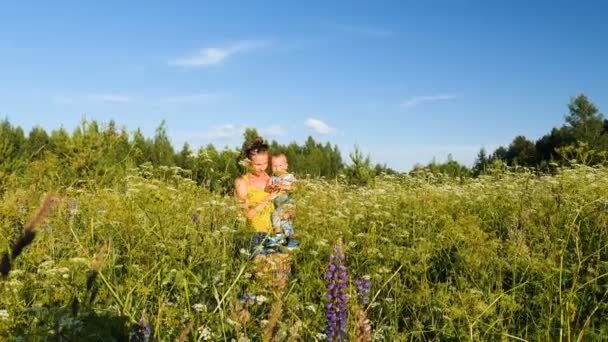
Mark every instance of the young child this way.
pixel 284 205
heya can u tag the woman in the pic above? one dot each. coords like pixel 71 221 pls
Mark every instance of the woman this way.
pixel 258 208
pixel 257 203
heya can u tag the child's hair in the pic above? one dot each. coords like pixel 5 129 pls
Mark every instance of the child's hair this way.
pixel 256 146
pixel 279 155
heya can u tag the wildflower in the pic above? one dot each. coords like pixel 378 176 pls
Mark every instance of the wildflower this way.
pixel 363 287
pixel 73 208
pixel 248 299
pixel 363 325
pixel 141 330
pixel 261 299
pixel 16 273
pixel 322 243
pixel 4 314
pixel 296 328
pixel 200 307
pixel 336 306
pixel 243 338
pixel 79 260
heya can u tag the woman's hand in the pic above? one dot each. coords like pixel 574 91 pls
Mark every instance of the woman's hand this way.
pixel 274 194
pixel 271 196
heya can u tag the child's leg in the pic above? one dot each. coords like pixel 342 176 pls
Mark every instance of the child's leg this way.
pixel 287 227
pixel 276 219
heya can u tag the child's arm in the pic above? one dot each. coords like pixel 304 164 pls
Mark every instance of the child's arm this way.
pixel 269 186
pixel 289 184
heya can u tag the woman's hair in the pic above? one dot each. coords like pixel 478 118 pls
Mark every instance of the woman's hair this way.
pixel 256 146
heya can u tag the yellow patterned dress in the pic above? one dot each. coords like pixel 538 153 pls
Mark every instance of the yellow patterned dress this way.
pixel 261 222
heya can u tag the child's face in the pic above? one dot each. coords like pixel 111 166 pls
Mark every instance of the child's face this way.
pixel 279 164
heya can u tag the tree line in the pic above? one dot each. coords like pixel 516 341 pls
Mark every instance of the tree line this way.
pixel 583 137
pixel 103 153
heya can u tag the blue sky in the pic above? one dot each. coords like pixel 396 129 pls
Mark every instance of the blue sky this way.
pixel 405 80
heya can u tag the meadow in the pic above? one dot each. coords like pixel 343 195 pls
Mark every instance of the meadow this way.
pixel 511 255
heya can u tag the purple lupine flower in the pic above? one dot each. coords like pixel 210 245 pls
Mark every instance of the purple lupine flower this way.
pixel 141 331
pixel 336 309
pixel 147 329
pixel 248 299
pixel 363 286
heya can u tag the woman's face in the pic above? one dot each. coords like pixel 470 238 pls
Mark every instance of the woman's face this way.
pixel 259 163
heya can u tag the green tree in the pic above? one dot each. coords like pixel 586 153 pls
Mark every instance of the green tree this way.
pixel 481 162
pixel 521 152
pixel 586 121
pixel 450 168
pixel 185 158
pixel 162 150
pixel 36 144
pixel 141 148
pixel 12 145
pixel 359 172
pixel 547 145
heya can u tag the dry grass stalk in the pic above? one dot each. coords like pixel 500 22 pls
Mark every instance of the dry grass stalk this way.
pixel 29 233
pixel 273 319
pixel 184 335
pixel 362 326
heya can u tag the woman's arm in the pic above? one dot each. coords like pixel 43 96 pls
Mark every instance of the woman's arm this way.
pixel 241 193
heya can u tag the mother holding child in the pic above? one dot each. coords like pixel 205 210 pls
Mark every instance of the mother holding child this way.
pixel 267 206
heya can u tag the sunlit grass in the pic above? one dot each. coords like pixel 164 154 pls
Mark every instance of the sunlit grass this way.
pixel 505 256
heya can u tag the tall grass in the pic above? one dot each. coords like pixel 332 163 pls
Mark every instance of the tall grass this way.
pixel 508 256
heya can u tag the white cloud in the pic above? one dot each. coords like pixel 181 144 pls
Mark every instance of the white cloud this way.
pixel 227 131
pixel 416 100
pixel 215 55
pixel 193 98
pixel 109 98
pixel 232 131
pixel 366 31
pixel 318 126
pixel 273 131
